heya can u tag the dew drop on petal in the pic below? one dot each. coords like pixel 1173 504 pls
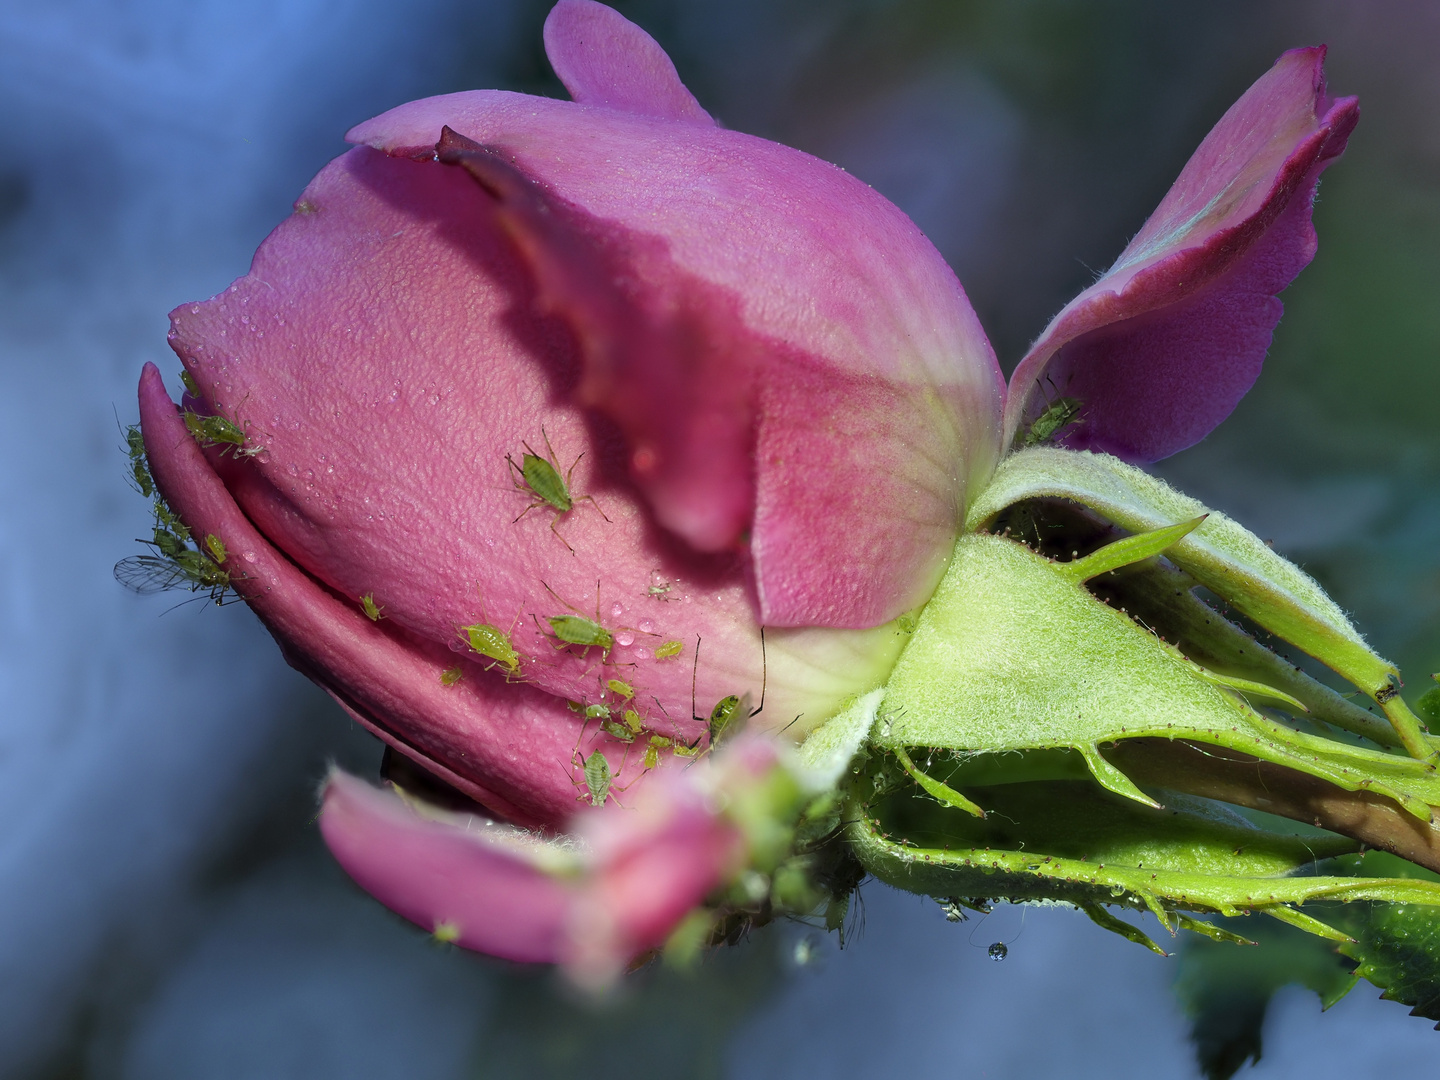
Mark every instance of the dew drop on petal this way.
pixel 616 610
pixel 624 637
pixel 998 951
pixel 647 626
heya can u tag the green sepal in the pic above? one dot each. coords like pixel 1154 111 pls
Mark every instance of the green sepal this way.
pixel 1010 654
pixel 1103 919
pixel 1071 841
pixel 1224 557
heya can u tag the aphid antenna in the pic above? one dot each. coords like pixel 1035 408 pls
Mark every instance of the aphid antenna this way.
pixel 694 673
pixel 764 676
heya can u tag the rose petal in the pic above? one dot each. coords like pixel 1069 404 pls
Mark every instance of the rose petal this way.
pixel 864 456
pixel 482 886
pixel 605 59
pixel 509 746
pixel 652 864
pixel 385 356
pixel 1165 344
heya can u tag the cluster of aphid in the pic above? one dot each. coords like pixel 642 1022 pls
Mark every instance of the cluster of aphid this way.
pixel 177 561
pixel 214 430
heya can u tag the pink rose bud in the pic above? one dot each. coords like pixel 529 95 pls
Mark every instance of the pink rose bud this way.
pixel 535 412
pixel 541 397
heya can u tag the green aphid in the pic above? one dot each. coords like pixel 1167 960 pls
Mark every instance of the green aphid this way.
pixel 617 730
pixel 653 748
pixel 373 611
pixel 597 711
pixel 446 933
pixel 451 676
pixel 597 778
pixel 669 649
pixel 623 690
pixel 540 476
pixel 578 630
pixel 633 720
pixel 187 569
pixel 1060 414
pixel 907 623
pixel 216 431
pixel 169 543
pixel 216 547
pixel 190 383
pixel 140 477
pixel 722 716
pixel 492 642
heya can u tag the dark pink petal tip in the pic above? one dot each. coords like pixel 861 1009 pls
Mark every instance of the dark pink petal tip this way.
pixel 1165 344
pixel 605 59
pixel 483 886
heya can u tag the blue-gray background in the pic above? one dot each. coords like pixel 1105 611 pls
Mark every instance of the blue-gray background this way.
pixel 165 907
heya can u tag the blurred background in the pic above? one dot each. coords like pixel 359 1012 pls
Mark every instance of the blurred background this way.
pixel 166 907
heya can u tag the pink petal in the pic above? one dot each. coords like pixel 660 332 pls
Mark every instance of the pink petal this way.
pixel 759 306
pixel 605 59
pixel 495 891
pixel 653 864
pixel 1165 344
pixel 507 745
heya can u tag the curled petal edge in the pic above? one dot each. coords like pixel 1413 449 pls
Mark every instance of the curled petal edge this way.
pixel 1172 336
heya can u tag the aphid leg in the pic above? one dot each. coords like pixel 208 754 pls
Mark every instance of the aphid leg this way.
pixel 553 520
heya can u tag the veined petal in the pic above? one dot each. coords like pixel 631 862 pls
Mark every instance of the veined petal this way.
pixel 1164 345
pixel 605 59
pixel 478 884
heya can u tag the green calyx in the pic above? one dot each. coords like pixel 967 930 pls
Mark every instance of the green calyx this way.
pixel 1105 665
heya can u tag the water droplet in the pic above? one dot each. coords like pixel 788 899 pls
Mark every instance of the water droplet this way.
pixel 643 654
pixel 616 610
pixel 807 950
pixel 998 951
pixel 624 637
pixel 646 626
